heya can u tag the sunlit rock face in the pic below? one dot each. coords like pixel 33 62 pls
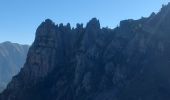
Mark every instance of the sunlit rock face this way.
pixel 130 62
pixel 12 58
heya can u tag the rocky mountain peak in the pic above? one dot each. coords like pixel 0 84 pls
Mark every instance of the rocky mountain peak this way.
pixel 92 31
pixel 12 58
pixel 130 62
pixel 166 7
pixel 93 24
pixel 46 28
pixel 160 21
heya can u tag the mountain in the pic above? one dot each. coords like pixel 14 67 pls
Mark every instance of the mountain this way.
pixel 130 62
pixel 12 58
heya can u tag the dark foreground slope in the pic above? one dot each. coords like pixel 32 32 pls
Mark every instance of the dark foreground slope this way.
pixel 130 62
pixel 12 58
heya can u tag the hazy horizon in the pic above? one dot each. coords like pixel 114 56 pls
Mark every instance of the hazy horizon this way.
pixel 19 18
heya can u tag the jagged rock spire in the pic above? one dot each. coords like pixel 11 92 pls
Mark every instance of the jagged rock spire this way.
pixel 93 23
pixel 46 28
pixel 120 69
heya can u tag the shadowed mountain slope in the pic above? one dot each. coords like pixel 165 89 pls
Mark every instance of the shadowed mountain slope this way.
pixel 130 62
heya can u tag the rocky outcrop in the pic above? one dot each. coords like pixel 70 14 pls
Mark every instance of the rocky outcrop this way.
pixel 130 62
pixel 12 58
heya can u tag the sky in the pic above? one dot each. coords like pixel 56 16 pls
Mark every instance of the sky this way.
pixel 20 18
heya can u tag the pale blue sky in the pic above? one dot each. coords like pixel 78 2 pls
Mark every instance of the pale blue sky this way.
pixel 20 18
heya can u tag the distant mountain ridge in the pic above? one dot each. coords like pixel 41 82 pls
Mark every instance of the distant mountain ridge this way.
pixel 12 58
pixel 130 62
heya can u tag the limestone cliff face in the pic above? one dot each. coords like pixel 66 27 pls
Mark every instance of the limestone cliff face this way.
pixel 130 62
